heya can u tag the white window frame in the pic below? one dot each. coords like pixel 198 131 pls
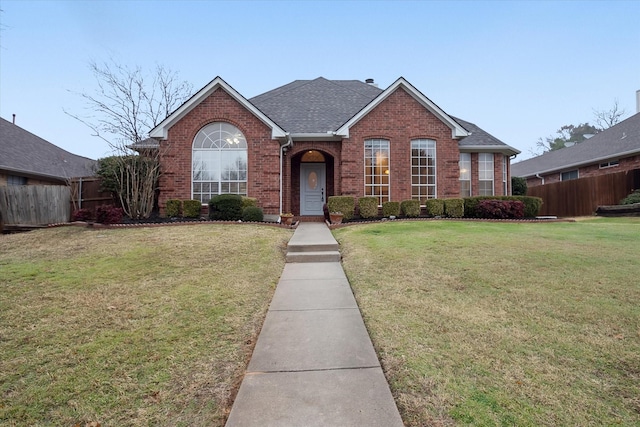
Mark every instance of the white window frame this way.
pixel 377 166
pixel 505 161
pixel 212 146
pixel 464 164
pixel 485 173
pixel 427 183
pixel 609 164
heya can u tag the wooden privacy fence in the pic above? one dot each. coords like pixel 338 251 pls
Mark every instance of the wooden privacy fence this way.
pixel 86 193
pixel 29 205
pixel 579 197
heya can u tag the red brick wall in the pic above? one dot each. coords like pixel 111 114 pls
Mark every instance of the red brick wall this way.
pixel 263 152
pixel 399 119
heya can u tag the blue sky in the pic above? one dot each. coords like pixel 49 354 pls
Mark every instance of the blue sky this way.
pixel 520 70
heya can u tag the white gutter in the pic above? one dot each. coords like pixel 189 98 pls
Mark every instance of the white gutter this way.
pixel 541 178
pixel 283 148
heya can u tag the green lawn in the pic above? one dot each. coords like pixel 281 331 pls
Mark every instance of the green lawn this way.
pixel 492 323
pixel 144 326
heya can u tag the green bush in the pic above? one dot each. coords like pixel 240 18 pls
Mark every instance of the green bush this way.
pixel 368 207
pixel 454 208
pixel 518 186
pixel 532 205
pixel 344 204
pixel 252 213
pixel 390 209
pixel 191 208
pixel 632 198
pixel 249 201
pixel 434 207
pixel 410 208
pixel 226 207
pixel 173 208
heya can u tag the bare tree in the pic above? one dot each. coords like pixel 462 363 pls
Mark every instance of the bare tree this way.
pixel 608 118
pixel 126 104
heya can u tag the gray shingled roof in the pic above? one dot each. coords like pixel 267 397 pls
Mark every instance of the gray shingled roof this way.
pixel 621 140
pixel 321 106
pixel 24 153
pixel 315 106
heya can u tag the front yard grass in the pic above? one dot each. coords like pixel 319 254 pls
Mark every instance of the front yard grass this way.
pixel 144 326
pixel 489 323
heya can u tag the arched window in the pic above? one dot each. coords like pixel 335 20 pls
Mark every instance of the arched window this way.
pixel 219 162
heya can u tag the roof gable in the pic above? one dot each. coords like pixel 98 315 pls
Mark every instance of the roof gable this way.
pixel 457 131
pixel 162 130
pixel 24 153
pixel 620 140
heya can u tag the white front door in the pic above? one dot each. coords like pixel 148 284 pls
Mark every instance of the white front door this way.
pixel 312 188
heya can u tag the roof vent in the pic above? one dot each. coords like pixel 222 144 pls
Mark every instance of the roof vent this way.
pixel 371 82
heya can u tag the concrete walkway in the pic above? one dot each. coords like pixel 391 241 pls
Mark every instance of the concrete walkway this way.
pixel 314 364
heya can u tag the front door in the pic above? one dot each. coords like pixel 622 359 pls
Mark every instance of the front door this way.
pixel 312 188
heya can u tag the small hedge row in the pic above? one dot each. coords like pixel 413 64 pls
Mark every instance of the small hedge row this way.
pixel 468 207
pixel 182 208
pixel 233 207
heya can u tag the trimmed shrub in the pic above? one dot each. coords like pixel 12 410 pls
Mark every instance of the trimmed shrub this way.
pixel 632 198
pixel 226 207
pixel 344 204
pixel 107 214
pixel 191 208
pixel 434 207
pixel 500 209
pixel 249 201
pixel 532 205
pixel 518 186
pixel 173 208
pixel 82 215
pixel 390 209
pixel 252 213
pixel 368 207
pixel 410 208
pixel 454 208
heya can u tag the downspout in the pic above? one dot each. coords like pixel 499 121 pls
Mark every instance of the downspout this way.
pixel 283 149
pixel 541 178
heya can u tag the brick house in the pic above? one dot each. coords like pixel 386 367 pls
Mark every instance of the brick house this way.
pixel 616 149
pixel 294 146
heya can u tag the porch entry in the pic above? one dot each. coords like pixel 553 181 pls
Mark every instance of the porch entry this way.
pixel 313 188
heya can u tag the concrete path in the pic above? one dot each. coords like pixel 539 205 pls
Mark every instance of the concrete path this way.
pixel 314 364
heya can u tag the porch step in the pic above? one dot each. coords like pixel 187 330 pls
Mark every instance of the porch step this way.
pixel 316 256
pixel 312 247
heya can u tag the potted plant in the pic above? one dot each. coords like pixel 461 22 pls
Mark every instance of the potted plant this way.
pixel 286 218
pixel 336 217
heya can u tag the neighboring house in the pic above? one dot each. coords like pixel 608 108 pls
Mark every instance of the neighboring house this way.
pixel 26 159
pixel 294 146
pixel 616 149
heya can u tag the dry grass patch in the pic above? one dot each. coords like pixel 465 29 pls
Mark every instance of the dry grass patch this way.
pixel 503 324
pixel 146 326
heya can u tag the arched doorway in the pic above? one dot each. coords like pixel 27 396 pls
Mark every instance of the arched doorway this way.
pixel 313 182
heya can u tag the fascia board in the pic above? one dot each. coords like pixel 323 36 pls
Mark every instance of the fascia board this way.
pixel 489 149
pixel 34 174
pixel 162 130
pixel 564 168
pixel 457 131
pixel 328 136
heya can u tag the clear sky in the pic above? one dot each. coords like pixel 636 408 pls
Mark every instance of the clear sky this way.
pixel 518 69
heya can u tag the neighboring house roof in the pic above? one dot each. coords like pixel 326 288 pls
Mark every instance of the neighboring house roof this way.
pixel 162 130
pixel 620 140
pixel 25 154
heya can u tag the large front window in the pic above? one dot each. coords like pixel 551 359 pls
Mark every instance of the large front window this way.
pixel 376 169
pixel 219 162
pixel 465 174
pixel 485 174
pixel 423 169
